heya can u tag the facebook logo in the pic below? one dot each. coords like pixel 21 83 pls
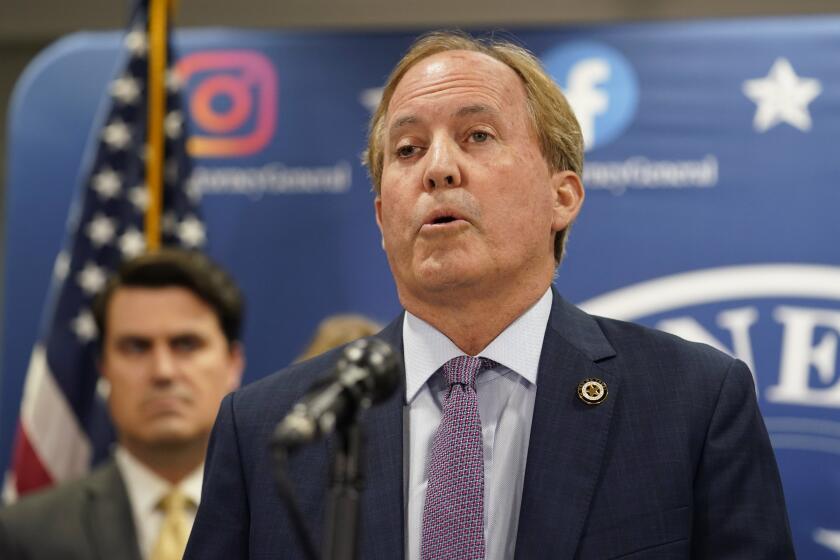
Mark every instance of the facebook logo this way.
pixel 601 86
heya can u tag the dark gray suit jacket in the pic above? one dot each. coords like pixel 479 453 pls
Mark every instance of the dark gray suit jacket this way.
pixel 674 464
pixel 87 519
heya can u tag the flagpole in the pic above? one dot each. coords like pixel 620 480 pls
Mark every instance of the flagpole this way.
pixel 158 25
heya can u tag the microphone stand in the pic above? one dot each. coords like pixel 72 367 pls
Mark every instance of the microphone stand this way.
pixel 343 496
pixel 368 372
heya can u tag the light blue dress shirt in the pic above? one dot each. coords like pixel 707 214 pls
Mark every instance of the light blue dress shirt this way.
pixel 506 397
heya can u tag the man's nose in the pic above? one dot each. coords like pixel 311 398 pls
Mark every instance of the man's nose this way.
pixel 443 169
pixel 163 364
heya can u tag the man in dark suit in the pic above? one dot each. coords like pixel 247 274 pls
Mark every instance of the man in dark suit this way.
pixel 169 324
pixel 523 427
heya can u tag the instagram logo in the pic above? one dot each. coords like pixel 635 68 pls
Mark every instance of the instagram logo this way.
pixel 233 101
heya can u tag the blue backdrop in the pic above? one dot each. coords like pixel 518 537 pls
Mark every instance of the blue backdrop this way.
pixel 712 175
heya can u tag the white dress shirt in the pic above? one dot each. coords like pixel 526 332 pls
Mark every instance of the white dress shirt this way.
pixel 145 490
pixel 506 397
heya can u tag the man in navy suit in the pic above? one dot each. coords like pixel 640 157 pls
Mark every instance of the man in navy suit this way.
pixel 599 439
pixel 169 324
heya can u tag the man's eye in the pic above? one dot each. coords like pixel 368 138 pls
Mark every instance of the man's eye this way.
pixel 479 136
pixel 133 346
pixel 406 151
pixel 186 343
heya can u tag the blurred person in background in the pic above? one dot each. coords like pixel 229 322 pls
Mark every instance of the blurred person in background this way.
pixel 337 330
pixel 170 350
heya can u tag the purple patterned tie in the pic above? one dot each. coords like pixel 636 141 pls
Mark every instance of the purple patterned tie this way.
pixel 453 516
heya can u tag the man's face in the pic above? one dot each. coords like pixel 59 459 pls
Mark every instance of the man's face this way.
pixel 467 199
pixel 168 364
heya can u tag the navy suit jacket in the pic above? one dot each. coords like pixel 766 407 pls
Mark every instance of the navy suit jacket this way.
pixel 87 519
pixel 675 463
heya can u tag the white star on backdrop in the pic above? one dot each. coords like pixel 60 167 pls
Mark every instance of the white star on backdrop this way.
pixel 173 124
pixel 136 42
pixel 370 98
pixel 117 135
pixel 829 539
pixel 91 278
pixel 191 232
pixel 782 96
pixel 139 197
pixel 126 90
pixel 84 326
pixel 132 243
pixel 107 183
pixel 101 230
pixel 174 83
pixel 103 388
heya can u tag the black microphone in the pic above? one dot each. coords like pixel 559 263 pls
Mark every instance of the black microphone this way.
pixel 368 372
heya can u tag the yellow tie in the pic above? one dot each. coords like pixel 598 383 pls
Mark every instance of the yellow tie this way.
pixel 172 539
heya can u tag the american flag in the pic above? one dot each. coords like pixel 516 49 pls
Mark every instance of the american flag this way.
pixel 63 426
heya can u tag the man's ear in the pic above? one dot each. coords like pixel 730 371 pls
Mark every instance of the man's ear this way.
pixel 236 366
pixel 377 208
pixel 568 198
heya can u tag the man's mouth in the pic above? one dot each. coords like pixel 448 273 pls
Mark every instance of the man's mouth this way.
pixel 162 403
pixel 443 216
pixel 444 223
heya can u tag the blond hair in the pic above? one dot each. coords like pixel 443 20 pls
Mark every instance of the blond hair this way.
pixel 558 131
pixel 337 330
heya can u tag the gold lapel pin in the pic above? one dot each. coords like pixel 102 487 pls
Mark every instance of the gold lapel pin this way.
pixel 592 391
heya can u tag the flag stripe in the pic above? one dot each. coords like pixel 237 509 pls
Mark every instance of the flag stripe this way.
pixel 52 429
pixel 34 476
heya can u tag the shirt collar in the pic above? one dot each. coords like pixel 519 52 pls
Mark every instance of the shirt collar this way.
pixel 517 347
pixel 145 488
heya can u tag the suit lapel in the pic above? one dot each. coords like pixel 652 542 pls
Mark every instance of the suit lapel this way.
pixel 109 523
pixel 568 437
pixel 382 499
